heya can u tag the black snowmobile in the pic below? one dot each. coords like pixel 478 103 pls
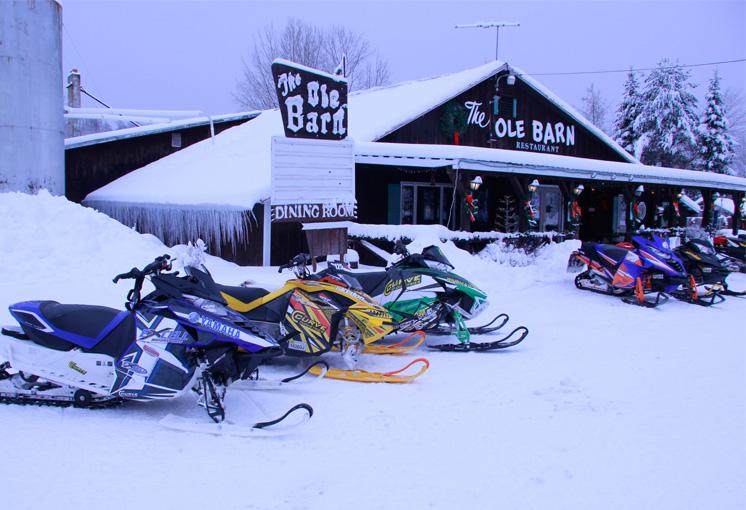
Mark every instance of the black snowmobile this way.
pixel 732 252
pixel 702 262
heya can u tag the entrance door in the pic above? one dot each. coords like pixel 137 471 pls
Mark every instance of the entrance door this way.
pixel 547 202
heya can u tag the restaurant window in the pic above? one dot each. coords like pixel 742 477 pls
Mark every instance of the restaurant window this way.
pixel 425 203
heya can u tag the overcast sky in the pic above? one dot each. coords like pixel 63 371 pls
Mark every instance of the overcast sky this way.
pixel 177 54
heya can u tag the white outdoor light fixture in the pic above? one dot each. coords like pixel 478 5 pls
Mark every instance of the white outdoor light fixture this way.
pixel 578 189
pixel 534 184
pixel 475 183
pixel 640 189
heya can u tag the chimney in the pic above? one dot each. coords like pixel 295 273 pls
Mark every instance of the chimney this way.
pixel 73 101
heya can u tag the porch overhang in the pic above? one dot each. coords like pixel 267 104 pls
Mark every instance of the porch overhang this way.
pixel 487 160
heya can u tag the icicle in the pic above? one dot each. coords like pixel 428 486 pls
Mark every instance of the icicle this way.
pixel 181 224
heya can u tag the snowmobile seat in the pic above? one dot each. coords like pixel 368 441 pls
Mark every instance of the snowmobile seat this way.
pixel 98 329
pixel 243 294
pixel 83 320
pixel 613 251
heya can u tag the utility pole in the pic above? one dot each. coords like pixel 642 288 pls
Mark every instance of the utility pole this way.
pixel 492 24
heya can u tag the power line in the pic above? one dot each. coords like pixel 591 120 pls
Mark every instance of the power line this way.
pixel 641 69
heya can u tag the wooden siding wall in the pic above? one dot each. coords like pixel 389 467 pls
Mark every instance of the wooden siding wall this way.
pixel 429 128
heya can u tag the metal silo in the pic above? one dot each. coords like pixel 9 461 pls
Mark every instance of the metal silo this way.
pixel 32 153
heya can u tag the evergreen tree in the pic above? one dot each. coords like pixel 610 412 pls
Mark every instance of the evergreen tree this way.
pixel 716 145
pixel 667 124
pixel 628 111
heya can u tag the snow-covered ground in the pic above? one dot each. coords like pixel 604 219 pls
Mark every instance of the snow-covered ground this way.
pixel 604 405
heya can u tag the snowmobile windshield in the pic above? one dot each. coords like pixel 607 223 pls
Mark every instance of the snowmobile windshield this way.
pixel 434 258
pixel 704 248
pixel 349 280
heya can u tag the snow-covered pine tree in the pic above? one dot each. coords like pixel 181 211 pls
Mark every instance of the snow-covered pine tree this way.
pixel 506 219
pixel 716 145
pixel 667 125
pixel 629 109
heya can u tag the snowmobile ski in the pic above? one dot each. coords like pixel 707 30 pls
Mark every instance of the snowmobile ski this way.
pixel 709 299
pixel 484 329
pixel 304 378
pixel 395 376
pixel 646 303
pixel 735 293
pixel 502 343
pixel 276 427
pixel 410 343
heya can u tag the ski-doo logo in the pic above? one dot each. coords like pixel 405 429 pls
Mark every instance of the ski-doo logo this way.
pixel 456 281
pixel 77 368
pixel 214 325
pixel 132 367
pixel 129 394
pixel 397 284
pixel 303 319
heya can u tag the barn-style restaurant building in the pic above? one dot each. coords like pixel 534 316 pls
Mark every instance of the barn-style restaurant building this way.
pixel 420 148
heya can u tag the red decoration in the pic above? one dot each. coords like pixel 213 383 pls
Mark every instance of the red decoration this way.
pixel 471 206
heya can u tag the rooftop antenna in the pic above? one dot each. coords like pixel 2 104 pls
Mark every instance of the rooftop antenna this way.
pixel 492 24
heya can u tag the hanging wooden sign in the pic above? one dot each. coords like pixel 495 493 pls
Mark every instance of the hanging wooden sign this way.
pixel 313 103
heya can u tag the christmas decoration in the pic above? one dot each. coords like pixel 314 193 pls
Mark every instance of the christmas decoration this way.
pixel 506 218
pixel 531 216
pixel 453 121
pixel 472 206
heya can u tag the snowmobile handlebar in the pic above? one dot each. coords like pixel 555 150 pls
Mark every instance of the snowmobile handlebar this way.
pixel 301 260
pixel 162 263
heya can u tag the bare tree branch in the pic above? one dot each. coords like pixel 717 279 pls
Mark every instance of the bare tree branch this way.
pixel 309 46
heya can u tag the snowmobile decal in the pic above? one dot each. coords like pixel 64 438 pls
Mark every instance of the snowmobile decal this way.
pixel 393 285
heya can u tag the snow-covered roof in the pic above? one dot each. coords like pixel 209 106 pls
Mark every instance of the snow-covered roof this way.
pixel 532 163
pixel 215 175
pixel 163 127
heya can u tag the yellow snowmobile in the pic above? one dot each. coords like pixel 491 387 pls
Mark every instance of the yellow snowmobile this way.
pixel 310 318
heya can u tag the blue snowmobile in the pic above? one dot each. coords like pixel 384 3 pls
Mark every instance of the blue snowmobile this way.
pixel 179 337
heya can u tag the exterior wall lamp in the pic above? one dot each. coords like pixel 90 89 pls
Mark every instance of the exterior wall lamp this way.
pixel 475 183
pixel 534 184
pixel 578 190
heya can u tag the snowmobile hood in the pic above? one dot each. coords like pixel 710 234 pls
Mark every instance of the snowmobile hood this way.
pixel 460 283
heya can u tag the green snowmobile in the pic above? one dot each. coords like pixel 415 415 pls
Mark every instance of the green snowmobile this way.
pixel 423 294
